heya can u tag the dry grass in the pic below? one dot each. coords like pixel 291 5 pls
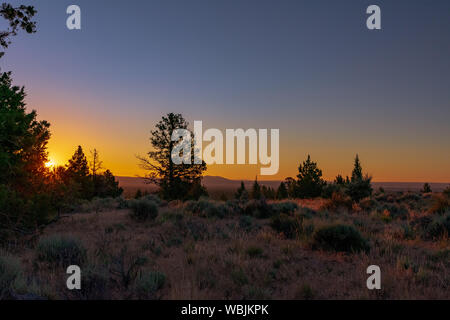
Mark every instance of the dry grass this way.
pixel 210 258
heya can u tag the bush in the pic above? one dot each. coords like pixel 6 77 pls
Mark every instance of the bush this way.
pixel 62 250
pixel 338 202
pixel 341 238
pixel 207 208
pixel 439 227
pixel 289 226
pixel 148 283
pixel 10 276
pixel 286 207
pixel 368 204
pixel 258 209
pixel 395 210
pixel 143 209
pixel 441 203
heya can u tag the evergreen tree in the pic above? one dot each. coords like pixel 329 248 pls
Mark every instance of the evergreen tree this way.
pixel 23 141
pixel 256 190
pixel 359 186
pixel 426 188
pixel 282 192
pixel 174 180
pixel 108 186
pixel 18 18
pixel 77 171
pixel 309 181
pixel 292 187
pixel 78 166
pixel 339 180
pixel 239 191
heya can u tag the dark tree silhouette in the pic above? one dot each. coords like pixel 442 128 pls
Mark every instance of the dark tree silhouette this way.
pixel 175 180
pixel 282 192
pixel 359 186
pixel 18 18
pixel 309 181
pixel 256 190
pixel 23 140
pixel 426 188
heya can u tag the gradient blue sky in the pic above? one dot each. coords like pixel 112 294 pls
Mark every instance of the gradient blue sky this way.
pixel 309 68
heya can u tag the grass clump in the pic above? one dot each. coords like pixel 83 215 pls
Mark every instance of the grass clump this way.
pixel 63 250
pixel 340 238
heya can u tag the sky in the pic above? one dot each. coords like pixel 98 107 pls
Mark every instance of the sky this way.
pixel 311 69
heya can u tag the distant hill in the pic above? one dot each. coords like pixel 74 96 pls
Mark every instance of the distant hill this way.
pixel 217 185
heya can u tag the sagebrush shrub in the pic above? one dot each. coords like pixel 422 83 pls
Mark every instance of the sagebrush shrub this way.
pixel 63 250
pixel 258 209
pixel 337 202
pixel 438 227
pixel 207 208
pixel 289 226
pixel 148 283
pixel 341 238
pixel 143 209
pixel 441 203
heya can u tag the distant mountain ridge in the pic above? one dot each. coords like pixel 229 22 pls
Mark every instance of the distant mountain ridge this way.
pixel 218 182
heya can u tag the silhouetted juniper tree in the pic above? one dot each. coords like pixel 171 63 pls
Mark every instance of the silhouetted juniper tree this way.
pixel 309 181
pixel 359 186
pixel 175 180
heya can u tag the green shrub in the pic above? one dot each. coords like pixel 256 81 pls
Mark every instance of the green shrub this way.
pixel 289 226
pixel 341 238
pixel 10 276
pixel 207 208
pixel 148 283
pixel 438 227
pixel 441 203
pixel 62 250
pixel 258 209
pixel 143 209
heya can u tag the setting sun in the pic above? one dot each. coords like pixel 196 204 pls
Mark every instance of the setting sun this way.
pixel 50 164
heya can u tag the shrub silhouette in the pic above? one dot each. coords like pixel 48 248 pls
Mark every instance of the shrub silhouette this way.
pixel 439 227
pixel 289 226
pixel 61 250
pixel 258 209
pixel 143 209
pixel 341 238
pixel 441 203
